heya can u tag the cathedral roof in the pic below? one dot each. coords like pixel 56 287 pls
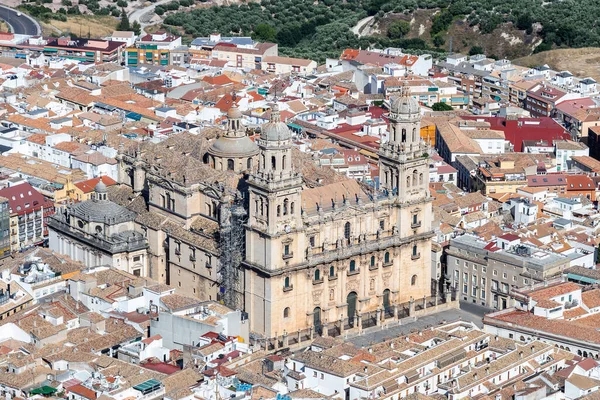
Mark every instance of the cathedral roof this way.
pixel 233 147
pixel 101 211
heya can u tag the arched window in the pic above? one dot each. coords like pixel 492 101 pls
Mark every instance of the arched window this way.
pixel 414 134
pixel 352 266
pixel 292 208
pixel 286 282
pixel 413 280
pixel 386 178
pixel 279 210
pixel 414 180
pixel 286 312
pixel 255 207
pixel 347 230
pixel 262 207
pixel 264 161
pixel 421 178
pixel 283 159
pixel 403 135
pixel 386 257
pixel 273 162
pixel 230 164
pixel 317 275
pixel 415 219
pixel 372 261
pixel 249 163
pixel 414 253
pixel 394 134
pixel 285 206
pixel 332 271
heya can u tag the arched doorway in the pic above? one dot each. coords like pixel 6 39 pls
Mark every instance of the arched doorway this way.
pixel 351 301
pixel 387 307
pixel 317 320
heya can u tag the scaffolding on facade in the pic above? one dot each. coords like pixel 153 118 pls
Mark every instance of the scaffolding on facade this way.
pixel 232 241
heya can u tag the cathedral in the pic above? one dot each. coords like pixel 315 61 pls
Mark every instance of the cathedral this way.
pixel 241 221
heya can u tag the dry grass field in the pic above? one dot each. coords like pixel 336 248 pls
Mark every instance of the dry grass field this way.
pixel 82 25
pixel 582 62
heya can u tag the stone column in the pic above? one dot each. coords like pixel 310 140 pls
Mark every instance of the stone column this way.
pixel 378 317
pixel 276 341
pixel 299 336
pixel 424 302
pixel 396 311
pixel 359 321
pixel 341 326
pixel 311 333
pixel 448 296
pixel 411 307
pixel 285 339
pixel 325 330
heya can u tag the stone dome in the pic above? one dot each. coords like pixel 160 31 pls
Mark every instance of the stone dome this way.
pixel 100 187
pixel 275 130
pixel 404 105
pixel 227 146
pixel 234 113
pixel 101 211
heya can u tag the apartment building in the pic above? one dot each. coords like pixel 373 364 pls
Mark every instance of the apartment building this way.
pixel 29 213
pixel 485 272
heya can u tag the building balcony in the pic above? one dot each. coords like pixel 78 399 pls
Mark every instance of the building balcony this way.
pixel 317 281
pixel 415 256
pixel 332 277
pixel 288 256
pixel 415 225
pixel 192 258
pixel 355 272
pixel 288 288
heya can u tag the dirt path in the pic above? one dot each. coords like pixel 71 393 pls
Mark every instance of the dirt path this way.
pixel 360 25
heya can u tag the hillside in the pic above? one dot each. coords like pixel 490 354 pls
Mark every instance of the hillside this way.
pixel 505 41
pixel 581 62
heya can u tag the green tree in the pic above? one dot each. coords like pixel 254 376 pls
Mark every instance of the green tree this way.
pixel 136 28
pixel 121 3
pixel 398 29
pixel 441 107
pixel 438 41
pixel 264 33
pixel 124 23
pixel 476 50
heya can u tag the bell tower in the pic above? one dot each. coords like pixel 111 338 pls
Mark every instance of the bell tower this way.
pixel 274 192
pixel 403 159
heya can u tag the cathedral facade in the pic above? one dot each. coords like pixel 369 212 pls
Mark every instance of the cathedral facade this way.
pixel 329 254
pixel 296 256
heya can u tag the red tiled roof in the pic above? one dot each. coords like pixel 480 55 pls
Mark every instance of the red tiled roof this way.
pixel 89 185
pixel 553 291
pixel 82 391
pixel 516 131
pixel 580 182
pixel 217 80
pixel 162 367
pixel 24 198
pixel 151 339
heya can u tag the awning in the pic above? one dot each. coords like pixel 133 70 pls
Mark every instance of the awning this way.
pixel 581 278
pixel 44 391
pixel 295 127
pixel 134 116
